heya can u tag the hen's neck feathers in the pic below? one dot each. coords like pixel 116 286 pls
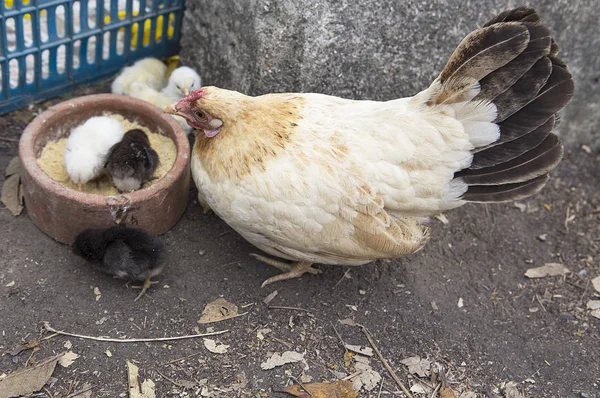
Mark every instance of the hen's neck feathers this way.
pixel 255 130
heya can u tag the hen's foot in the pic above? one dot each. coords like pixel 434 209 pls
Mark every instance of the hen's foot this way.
pixel 291 270
pixel 147 283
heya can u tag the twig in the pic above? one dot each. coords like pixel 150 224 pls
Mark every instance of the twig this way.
pixel 80 391
pixel 342 278
pixel 385 363
pixel 48 392
pixel 380 388
pixel 436 390
pixel 279 307
pixel 540 301
pixel 8 139
pixel 167 378
pixel 146 340
pixel 353 375
pixel 339 337
pixel 301 385
pixel 180 359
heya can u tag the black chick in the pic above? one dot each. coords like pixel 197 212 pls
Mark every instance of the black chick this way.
pixel 132 161
pixel 125 252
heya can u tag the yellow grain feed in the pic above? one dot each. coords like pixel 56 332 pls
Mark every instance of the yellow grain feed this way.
pixel 52 163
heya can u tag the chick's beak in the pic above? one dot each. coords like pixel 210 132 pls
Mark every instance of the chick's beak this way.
pixel 186 91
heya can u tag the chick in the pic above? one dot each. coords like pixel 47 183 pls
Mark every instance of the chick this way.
pixel 182 81
pixel 124 252
pixel 150 71
pixel 132 161
pixel 88 145
pixel 144 92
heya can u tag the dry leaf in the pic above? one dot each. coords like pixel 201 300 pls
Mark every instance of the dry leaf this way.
pixel 593 305
pixel 28 380
pixel 446 392
pixel 67 359
pixel 348 322
pixel 11 197
pixel 596 283
pixel 368 379
pixel 218 310
pixel 14 167
pixel 278 359
pixel 339 389
pixel 595 314
pixel 367 351
pixel 215 348
pixel 68 345
pixel 418 388
pixel 511 390
pixel 466 394
pixel 147 387
pixel 418 366
pixel 270 297
pixel 549 269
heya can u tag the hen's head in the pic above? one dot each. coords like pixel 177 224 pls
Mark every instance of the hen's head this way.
pixel 208 109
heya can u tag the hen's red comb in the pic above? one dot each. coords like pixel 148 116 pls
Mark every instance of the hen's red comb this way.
pixel 194 95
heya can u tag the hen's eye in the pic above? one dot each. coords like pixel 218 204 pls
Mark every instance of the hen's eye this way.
pixel 201 115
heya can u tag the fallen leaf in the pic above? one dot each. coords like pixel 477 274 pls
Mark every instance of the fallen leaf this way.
pixel 14 167
pixel 147 386
pixel 418 366
pixel 185 383
pixel 339 389
pixel 97 293
pixel 368 379
pixel 278 359
pixel 67 359
pixel 447 392
pixel 593 305
pixel 348 322
pixel 10 196
pixel 28 380
pixel 367 351
pixel 596 283
pixel 218 310
pixel 511 390
pixel 466 394
pixel 68 345
pixel 212 346
pixel 549 269
pixel 418 388
pixel 270 297
pixel 260 334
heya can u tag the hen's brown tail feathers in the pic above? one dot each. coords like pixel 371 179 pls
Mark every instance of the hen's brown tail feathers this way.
pixel 513 57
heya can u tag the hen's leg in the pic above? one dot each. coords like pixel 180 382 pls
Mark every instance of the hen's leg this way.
pixel 290 270
pixel 147 283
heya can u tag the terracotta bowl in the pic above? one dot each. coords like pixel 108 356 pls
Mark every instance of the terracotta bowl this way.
pixel 62 212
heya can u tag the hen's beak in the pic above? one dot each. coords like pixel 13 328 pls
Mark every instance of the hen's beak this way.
pixel 171 109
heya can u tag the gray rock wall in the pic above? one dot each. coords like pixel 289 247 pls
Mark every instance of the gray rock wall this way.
pixel 376 49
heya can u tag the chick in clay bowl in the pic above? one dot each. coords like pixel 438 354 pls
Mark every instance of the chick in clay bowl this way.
pixel 102 160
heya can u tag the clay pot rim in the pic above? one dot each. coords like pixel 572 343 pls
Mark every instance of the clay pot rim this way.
pixel 35 128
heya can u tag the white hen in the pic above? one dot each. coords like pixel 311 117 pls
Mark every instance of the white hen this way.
pixel 182 81
pixel 88 146
pixel 313 178
pixel 150 71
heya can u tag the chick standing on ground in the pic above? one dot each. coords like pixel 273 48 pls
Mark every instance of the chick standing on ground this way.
pixel 124 252
pixel 182 81
pixel 88 146
pixel 150 71
pixel 132 161
pixel 144 92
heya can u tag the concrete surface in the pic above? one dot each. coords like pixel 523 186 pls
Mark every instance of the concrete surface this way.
pixel 374 49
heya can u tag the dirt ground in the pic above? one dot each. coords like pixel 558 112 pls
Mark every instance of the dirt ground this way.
pixel 462 302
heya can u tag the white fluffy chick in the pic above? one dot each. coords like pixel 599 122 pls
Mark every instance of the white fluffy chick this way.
pixel 150 71
pixel 158 98
pixel 182 81
pixel 88 145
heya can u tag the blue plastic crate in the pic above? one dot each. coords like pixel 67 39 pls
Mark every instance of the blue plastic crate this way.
pixel 91 39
